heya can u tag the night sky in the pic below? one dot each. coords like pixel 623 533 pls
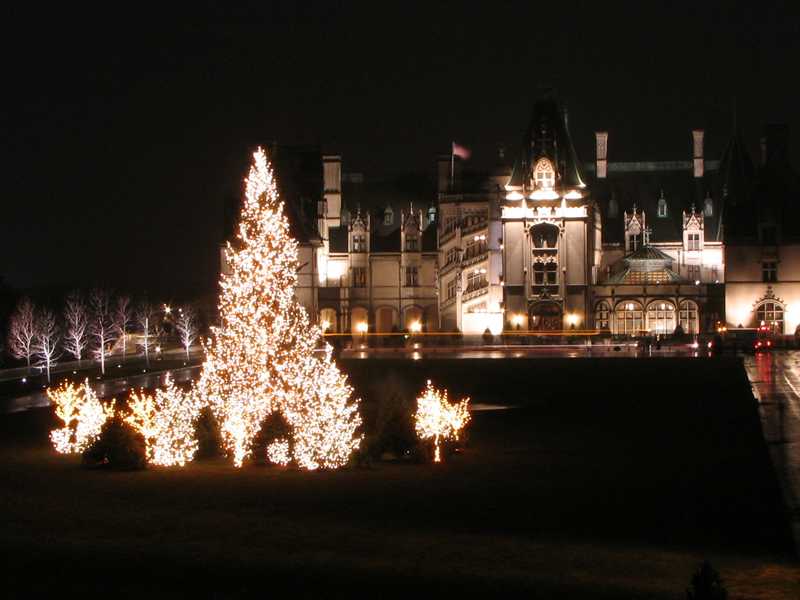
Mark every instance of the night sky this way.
pixel 126 132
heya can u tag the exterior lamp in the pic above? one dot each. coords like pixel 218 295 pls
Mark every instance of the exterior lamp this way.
pixel 516 320
pixel 415 327
pixel 362 327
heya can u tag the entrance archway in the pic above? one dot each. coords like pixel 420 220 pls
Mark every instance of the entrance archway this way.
pixel 546 316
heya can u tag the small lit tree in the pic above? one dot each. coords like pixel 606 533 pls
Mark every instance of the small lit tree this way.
pixel 83 416
pixel 146 319
pixel 186 326
pixel 76 317
pixel 101 326
pixel 437 419
pixel 46 343
pixel 121 320
pixel 22 330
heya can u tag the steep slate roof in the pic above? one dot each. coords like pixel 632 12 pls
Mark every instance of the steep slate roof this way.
pixel 548 136
pixel 642 184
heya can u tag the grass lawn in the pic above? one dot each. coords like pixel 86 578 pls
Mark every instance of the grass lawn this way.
pixel 614 478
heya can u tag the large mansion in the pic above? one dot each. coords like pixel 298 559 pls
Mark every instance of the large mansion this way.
pixel 546 242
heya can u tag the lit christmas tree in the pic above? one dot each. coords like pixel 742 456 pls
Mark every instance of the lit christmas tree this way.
pixel 262 358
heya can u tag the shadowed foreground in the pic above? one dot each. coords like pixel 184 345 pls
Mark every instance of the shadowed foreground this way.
pixel 614 479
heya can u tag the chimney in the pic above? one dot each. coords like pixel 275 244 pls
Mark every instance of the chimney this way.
pixel 601 166
pixel 775 143
pixel 697 153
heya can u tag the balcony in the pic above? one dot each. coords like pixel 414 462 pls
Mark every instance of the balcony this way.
pixel 474 258
pixel 473 227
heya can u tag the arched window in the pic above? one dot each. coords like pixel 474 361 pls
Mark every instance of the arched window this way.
pixel 688 317
pixel 602 315
pixel 544 235
pixel 328 320
pixel 629 319
pixel 544 176
pixel 661 318
pixel 770 313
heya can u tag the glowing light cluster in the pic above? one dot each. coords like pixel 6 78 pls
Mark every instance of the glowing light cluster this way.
pixel 438 419
pixel 83 416
pixel 167 423
pixel 263 357
pixel 278 452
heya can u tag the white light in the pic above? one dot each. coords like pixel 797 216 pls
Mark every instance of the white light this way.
pixel 362 327
pixel 415 327
pixel 24 380
pixel 325 325
pixel 517 319
pixel 167 309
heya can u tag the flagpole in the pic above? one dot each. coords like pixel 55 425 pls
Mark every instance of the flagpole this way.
pixel 452 165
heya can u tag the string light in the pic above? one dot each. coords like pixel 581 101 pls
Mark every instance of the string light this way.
pixel 261 359
pixel 436 418
pixel 83 416
pixel 278 452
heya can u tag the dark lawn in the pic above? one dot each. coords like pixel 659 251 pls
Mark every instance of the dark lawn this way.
pixel 614 480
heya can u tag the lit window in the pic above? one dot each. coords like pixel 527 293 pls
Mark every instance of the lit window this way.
pixel 602 313
pixel 476 280
pixel 769 271
pixel 544 176
pixel 661 318
pixel 629 319
pixel 693 241
pixel 388 216
pixel 708 208
pixel 359 242
pixel 771 315
pixel 688 317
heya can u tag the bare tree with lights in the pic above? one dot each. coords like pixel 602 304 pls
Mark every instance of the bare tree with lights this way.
pixel 121 318
pixel 46 342
pixel 146 319
pixel 22 330
pixel 76 318
pixel 262 358
pixel 101 327
pixel 186 326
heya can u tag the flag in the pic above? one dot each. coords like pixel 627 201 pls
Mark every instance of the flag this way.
pixel 461 151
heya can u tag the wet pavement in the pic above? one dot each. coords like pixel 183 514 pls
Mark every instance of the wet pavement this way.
pixel 775 379
pixel 109 388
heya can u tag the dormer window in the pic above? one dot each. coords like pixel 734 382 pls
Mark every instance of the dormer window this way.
pixel 412 243
pixel 662 206
pixel 431 214
pixel 708 207
pixel 359 242
pixel 544 176
pixel 388 216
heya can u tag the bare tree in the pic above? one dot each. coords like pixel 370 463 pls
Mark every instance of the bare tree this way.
pixel 101 327
pixel 186 326
pixel 22 330
pixel 46 342
pixel 122 319
pixel 146 319
pixel 76 317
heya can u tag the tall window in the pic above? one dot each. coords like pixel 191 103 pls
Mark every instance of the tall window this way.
pixel 661 318
pixel 412 274
pixel 602 313
pixel 544 176
pixel 388 216
pixel 412 243
pixel 770 313
pixel 693 241
pixel 687 317
pixel 708 207
pixel 629 319
pixel 476 280
pixel 769 271
pixel 475 247
pixel 359 277
pixel 451 289
pixel 545 273
pixel 694 272
pixel 359 242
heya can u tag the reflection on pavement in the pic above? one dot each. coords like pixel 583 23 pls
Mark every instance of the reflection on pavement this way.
pixel 775 379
